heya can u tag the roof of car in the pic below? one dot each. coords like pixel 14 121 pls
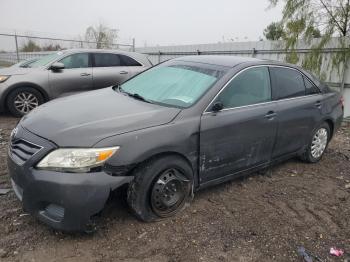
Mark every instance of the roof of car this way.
pixel 232 61
pixel 73 50
pixel 138 56
pixel 229 61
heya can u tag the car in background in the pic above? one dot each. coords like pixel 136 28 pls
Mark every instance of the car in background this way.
pixel 65 73
pixel 25 63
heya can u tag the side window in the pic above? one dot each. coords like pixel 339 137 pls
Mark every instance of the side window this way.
pixel 128 61
pixel 287 83
pixel 76 61
pixel 106 60
pixel 252 86
pixel 310 87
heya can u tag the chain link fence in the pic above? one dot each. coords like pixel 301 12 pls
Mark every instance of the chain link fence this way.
pixel 15 48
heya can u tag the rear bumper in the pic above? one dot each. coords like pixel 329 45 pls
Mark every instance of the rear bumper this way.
pixel 64 201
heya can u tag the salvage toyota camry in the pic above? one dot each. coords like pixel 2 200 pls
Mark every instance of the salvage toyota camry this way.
pixel 180 126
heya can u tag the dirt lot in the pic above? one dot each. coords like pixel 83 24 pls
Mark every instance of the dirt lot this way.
pixel 260 218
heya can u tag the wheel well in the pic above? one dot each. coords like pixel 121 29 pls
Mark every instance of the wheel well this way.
pixel 162 154
pixel 172 154
pixel 36 87
pixel 331 126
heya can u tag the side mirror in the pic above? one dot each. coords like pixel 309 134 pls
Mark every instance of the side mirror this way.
pixel 218 106
pixel 57 66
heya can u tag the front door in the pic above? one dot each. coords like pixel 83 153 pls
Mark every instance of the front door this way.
pixel 242 134
pixel 76 76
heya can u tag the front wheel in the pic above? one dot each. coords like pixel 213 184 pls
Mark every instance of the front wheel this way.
pixel 161 188
pixel 318 144
pixel 23 100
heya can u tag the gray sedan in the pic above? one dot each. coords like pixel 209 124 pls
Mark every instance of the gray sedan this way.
pixel 183 125
pixel 64 73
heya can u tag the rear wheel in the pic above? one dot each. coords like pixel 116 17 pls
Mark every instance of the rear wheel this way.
pixel 318 144
pixel 161 188
pixel 23 100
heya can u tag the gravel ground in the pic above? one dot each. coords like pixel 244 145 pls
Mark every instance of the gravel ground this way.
pixel 259 218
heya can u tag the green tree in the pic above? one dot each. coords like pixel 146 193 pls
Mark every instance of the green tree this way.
pixel 323 19
pixel 274 31
pixel 51 47
pixel 30 46
pixel 102 35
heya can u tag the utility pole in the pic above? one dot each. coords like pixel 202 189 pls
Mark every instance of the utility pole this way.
pixel 17 48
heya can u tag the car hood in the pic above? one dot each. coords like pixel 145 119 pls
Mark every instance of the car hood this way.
pixel 83 120
pixel 10 71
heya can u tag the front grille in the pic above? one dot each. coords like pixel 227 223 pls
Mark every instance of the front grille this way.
pixel 21 150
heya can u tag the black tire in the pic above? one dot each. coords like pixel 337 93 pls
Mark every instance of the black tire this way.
pixel 36 98
pixel 143 191
pixel 308 156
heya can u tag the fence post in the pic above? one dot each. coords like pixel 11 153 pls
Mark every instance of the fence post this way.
pixel 254 51
pixel 17 48
pixel 133 44
pixel 159 54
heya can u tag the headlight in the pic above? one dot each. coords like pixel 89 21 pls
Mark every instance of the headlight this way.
pixel 76 159
pixel 3 78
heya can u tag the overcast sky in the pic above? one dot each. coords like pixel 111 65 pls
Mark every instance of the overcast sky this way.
pixel 151 22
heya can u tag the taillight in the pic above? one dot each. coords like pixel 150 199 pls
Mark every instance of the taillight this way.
pixel 342 102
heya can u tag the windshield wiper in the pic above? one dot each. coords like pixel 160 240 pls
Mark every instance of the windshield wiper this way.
pixel 135 95
pixel 138 97
pixel 117 88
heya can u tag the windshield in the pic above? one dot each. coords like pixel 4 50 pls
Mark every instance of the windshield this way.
pixel 45 59
pixel 174 85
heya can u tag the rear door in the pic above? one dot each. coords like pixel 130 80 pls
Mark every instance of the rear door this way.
pixel 242 134
pixel 299 108
pixel 76 76
pixel 111 69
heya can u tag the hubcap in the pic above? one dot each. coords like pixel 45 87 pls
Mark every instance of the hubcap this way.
pixel 169 192
pixel 26 102
pixel 319 142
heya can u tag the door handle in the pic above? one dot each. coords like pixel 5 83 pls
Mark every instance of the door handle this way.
pixel 123 72
pixel 85 74
pixel 270 115
pixel 318 104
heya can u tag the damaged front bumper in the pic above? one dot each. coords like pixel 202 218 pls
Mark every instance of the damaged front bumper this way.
pixel 64 201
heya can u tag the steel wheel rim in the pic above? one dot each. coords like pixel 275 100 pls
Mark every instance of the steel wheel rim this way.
pixel 169 192
pixel 25 102
pixel 319 143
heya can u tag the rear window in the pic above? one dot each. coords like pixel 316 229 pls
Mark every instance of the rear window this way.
pixel 128 61
pixel 310 87
pixel 109 60
pixel 287 83
pixel 106 60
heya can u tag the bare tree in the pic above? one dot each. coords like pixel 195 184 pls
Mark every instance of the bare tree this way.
pixel 102 35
